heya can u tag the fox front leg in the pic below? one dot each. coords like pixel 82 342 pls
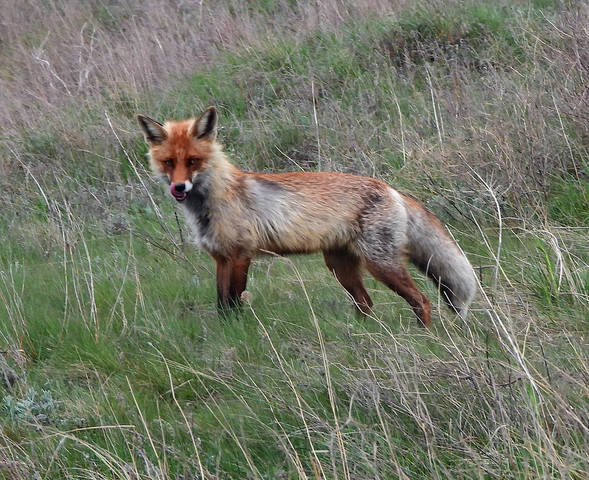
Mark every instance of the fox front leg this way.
pixel 231 281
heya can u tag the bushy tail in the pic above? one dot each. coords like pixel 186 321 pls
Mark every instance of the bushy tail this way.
pixel 435 253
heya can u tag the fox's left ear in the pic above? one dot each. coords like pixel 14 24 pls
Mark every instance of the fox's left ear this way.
pixel 205 126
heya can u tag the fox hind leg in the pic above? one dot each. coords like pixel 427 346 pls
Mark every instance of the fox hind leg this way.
pixel 381 243
pixel 397 278
pixel 347 268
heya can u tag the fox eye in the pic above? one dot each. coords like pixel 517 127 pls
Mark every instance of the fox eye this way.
pixel 169 162
pixel 192 161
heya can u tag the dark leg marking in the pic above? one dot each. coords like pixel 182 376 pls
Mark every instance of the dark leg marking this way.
pixel 223 281
pixel 231 280
pixel 239 269
pixel 399 280
pixel 347 269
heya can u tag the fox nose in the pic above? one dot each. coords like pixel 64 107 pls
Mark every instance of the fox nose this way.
pixel 180 187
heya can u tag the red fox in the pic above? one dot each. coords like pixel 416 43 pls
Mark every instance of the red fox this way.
pixel 357 222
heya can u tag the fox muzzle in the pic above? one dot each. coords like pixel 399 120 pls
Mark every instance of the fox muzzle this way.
pixel 180 190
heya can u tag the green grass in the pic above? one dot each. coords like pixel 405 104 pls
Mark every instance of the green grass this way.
pixel 569 202
pixel 240 380
pixel 114 362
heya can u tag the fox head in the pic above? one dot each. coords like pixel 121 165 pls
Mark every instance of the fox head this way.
pixel 179 151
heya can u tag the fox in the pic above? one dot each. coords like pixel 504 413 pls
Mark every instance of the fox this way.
pixel 358 223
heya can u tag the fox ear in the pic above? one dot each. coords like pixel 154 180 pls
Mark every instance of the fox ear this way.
pixel 154 131
pixel 205 126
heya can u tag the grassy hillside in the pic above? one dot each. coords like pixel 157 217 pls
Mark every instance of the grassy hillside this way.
pixel 113 361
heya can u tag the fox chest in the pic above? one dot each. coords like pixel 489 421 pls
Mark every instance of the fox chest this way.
pixel 213 228
pixel 197 210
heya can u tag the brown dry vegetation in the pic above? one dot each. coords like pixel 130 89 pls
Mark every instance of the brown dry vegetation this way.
pixel 64 53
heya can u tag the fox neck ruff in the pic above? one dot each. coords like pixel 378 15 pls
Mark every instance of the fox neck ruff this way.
pixel 211 196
